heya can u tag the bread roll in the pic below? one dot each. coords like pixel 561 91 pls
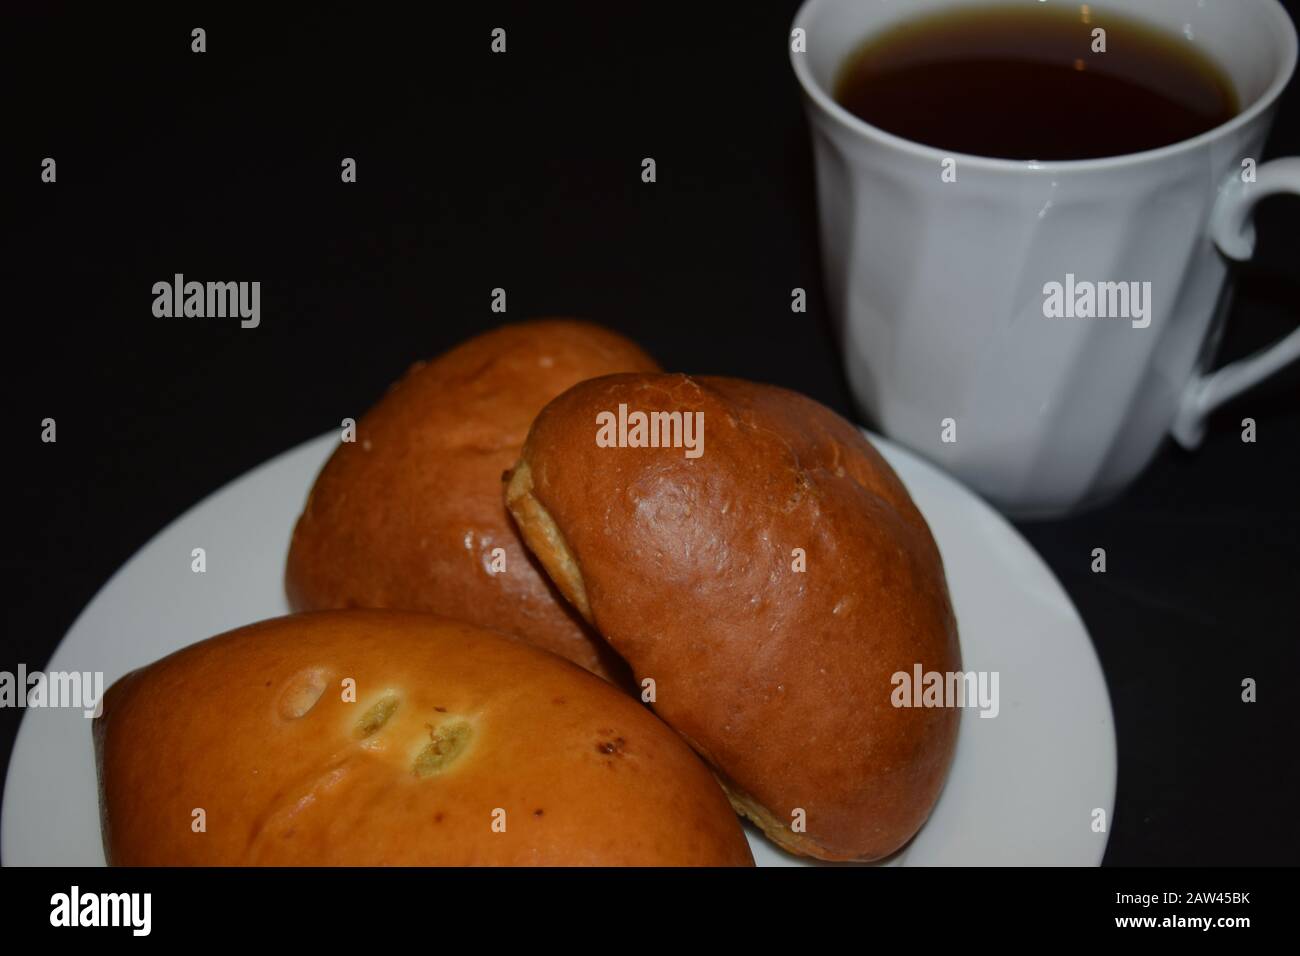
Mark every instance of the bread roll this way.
pixel 463 747
pixel 410 515
pixel 780 677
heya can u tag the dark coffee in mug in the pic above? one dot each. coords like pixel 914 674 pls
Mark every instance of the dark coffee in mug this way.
pixel 1035 82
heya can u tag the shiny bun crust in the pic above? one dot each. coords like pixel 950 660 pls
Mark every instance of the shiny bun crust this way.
pixel 780 678
pixel 462 747
pixel 409 515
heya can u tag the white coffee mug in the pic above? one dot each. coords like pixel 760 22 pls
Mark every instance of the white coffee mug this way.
pixel 941 285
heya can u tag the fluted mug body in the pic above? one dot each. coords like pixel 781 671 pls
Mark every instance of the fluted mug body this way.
pixel 953 279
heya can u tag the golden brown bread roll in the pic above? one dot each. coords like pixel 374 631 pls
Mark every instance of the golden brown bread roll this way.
pixel 453 729
pixel 780 678
pixel 409 515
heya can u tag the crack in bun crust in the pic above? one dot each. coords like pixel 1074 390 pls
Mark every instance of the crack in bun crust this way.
pixel 781 679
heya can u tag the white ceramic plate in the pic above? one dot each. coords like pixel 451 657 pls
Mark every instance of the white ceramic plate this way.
pixel 1023 790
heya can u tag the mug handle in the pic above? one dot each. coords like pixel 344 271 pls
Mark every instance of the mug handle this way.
pixel 1233 231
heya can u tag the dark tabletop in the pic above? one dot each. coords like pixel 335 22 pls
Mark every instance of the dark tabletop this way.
pixel 523 172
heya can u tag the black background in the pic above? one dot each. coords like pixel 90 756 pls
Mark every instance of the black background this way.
pixel 523 171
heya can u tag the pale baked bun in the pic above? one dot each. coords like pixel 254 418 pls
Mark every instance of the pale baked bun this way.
pixel 451 725
pixel 781 679
pixel 409 515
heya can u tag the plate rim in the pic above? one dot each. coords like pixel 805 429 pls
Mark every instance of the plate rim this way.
pixel 888 448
